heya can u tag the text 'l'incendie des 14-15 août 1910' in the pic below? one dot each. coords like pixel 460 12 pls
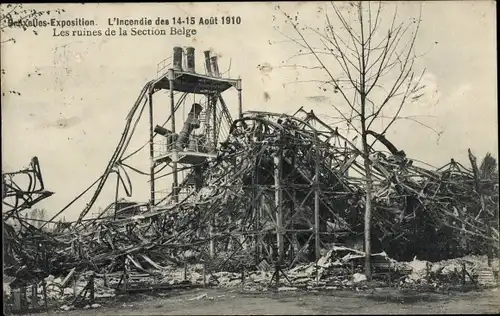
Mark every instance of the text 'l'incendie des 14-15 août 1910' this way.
pixel 188 20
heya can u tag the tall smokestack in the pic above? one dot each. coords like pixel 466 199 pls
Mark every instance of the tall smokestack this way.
pixel 190 61
pixel 215 66
pixel 177 58
pixel 207 62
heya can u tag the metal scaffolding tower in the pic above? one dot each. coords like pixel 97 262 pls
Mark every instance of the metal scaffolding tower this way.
pixel 183 148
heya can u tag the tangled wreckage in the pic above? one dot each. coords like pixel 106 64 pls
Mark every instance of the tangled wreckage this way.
pixel 263 191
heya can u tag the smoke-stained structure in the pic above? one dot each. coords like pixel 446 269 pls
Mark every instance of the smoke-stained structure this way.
pixel 263 186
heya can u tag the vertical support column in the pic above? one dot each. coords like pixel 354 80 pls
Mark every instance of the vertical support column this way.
pixel 44 290
pixel 185 271
pixel 214 115
pixel 279 205
pixel 204 274
pixel 175 183
pixel 212 240
pixel 317 238
pixel 240 103
pixel 34 295
pixel 151 149
pixel 255 211
pixel 24 298
pixel 295 207
pixel 213 124
pixel 117 186
pixel 208 117
pixel 261 235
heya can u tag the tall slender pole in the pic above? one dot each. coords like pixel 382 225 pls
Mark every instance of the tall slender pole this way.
pixel 116 191
pixel 261 234
pixel 214 114
pixel 208 118
pixel 211 236
pixel 279 205
pixel 240 103
pixel 151 148
pixel 213 105
pixel 316 201
pixel 213 108
pixel 255 210
pixel 175 183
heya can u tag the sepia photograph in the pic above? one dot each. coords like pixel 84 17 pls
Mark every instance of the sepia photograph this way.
pixel 250 158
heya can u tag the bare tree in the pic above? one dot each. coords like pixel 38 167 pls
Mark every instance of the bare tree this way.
pixel 368 60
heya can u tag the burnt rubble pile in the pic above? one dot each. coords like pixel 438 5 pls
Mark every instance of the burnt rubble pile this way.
pixel 230 224
pixel 432 214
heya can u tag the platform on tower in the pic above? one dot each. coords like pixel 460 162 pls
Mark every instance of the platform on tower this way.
pixel 191 82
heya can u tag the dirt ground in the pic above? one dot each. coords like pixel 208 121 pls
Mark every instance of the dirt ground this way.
pixel 220 302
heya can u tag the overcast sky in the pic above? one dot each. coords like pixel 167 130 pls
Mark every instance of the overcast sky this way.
pixel 72 115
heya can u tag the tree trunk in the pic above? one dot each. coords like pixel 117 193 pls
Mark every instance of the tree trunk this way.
pixel 366 149
pixel 368 218
pixel 368 188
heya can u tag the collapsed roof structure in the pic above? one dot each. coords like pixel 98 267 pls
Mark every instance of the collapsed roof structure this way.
pixel 263 186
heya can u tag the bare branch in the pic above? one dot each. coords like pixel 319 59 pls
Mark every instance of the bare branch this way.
pixel 325 68
pixel 299 66
pixel 413 119
pixel 346 25
pixel 291 39
pixel 405 96
pixel 367 61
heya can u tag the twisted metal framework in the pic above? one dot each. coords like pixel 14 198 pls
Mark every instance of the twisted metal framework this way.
pixel 265 188
pixel 279 188
pixel 22 189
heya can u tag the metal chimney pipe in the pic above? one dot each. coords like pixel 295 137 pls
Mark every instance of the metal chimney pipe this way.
pixel 207 62
pixel 190 61
pixel 162 130
pixel 190 124
pixel 215 66
pixel 177 58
